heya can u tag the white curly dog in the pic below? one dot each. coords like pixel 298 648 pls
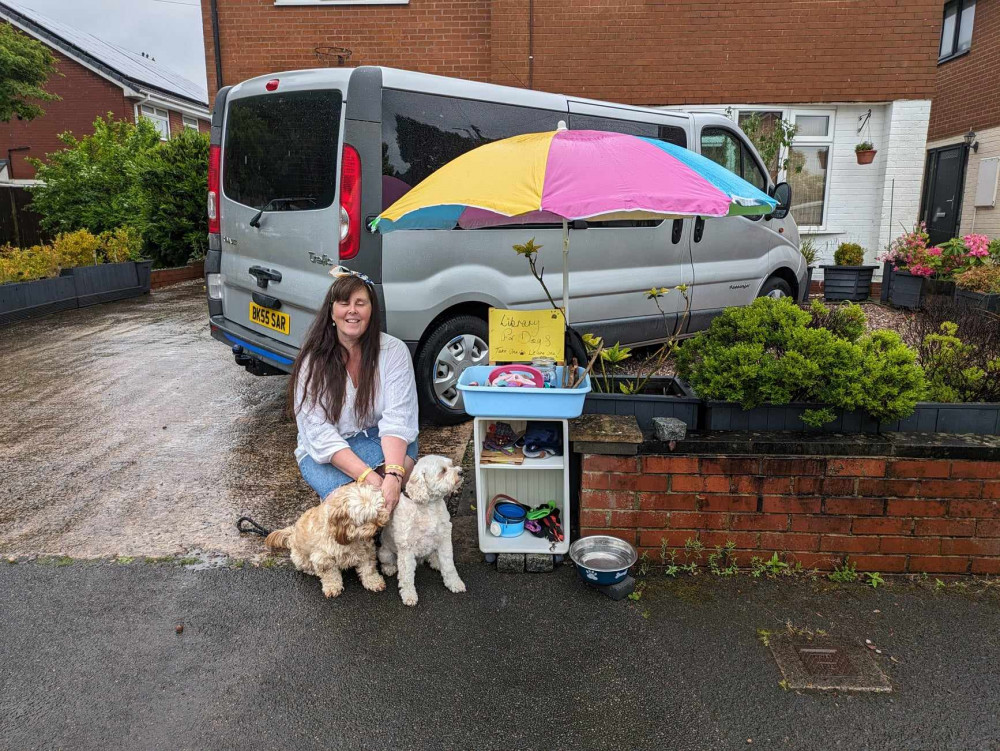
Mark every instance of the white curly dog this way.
pixel 420 527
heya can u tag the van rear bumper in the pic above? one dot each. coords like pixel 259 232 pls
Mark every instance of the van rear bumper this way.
pixel 256 345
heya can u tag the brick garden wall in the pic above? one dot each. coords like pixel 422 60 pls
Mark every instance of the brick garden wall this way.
pixel 888 515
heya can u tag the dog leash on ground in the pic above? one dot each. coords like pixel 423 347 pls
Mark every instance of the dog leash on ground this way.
pixel 251 526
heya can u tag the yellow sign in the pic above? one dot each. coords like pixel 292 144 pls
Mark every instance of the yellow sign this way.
pixel 520 335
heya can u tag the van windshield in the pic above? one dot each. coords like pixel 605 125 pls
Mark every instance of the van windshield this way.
pixel 280 145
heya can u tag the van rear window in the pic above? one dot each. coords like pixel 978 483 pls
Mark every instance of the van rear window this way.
pixel 283 146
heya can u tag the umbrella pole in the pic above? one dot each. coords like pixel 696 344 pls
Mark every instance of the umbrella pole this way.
pixel 565 272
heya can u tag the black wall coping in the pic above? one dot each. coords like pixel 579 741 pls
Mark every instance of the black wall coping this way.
pixel 910 445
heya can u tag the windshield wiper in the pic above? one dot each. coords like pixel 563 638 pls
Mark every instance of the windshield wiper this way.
pixel 255 222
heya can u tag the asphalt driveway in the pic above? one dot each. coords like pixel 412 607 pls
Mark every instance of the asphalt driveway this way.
pixel 127 430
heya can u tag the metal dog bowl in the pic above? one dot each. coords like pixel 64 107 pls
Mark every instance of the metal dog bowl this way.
pixel 602 559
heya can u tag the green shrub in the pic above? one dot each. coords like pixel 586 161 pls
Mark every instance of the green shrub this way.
pixel 175 184
pixel 807 248
pixel 848 321
pixel 768 354
pixel 957 371
pixel 120 245
pixel 93 183
pixel 76 249
pixel 849 254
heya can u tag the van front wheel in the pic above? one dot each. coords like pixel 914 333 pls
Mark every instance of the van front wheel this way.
pixel 453 346
pixel 775 288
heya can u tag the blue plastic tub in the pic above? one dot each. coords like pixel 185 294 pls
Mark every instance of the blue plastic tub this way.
pixel 520 403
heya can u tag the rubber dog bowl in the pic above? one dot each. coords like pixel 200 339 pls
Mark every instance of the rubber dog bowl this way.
pixel 602 559
pixel 510 517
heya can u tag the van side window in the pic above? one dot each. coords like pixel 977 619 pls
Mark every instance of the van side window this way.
pixel 282 146
pixel 752 172
pixel 423 132
pixel 722 147
pixel 668 133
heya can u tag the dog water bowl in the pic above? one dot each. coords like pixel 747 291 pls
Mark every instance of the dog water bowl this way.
pixel 602 559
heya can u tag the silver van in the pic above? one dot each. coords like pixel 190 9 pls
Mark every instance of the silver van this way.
pixel 301 162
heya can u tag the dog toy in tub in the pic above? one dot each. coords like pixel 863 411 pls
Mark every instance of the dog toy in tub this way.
pixel 523 376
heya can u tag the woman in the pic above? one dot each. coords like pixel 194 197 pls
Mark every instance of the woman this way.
pixel 354 396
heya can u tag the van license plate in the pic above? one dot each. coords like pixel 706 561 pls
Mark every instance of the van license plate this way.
pixel 271 319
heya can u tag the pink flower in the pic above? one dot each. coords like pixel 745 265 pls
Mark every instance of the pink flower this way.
pixel 934 251
pixel 920 270
pixel 978 245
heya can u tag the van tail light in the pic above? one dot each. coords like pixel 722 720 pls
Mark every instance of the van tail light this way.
pixel 350 203
pixel 214 159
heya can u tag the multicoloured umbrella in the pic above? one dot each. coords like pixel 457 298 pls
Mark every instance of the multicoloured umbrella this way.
pixel 565 175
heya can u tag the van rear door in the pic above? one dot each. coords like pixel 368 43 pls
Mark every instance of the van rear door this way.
pixel 280 213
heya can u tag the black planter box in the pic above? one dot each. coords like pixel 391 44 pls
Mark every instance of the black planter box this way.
pixel 906 290
pixel 727 416
pixel 74 288
pixel 847 282
pixel 664 397
pixel 934 286
pixel 983 300
pixel 809 282
pixel 929 417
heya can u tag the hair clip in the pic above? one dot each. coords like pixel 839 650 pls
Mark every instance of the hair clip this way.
pixel 341 271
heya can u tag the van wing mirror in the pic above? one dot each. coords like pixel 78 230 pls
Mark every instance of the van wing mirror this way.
pixel 782 193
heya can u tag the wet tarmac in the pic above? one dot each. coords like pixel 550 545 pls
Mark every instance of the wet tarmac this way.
pixel 125 429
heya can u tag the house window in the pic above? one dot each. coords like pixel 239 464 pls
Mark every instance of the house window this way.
pixel 159 118
pixel 809 166
pixel 956 31
pixel 191 123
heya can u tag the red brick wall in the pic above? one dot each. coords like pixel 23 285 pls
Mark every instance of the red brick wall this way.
pixel 888 515
pixel 85 95
pixel 967 92
pixel 647 53
pixel 447 37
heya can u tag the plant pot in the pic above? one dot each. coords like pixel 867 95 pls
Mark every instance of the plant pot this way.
pixel 935 286
pixel 22 300
pixel 907 290
pixel 986 301
pixel 847 282
pixel 809 281
pixel 866 157
pixel 936 417
pixel 787 417
pixel 662 397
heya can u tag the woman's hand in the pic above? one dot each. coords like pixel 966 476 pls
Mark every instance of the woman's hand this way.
pixel 391 488
pixel 374 479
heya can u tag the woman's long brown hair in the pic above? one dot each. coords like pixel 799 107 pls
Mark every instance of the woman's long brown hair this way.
pixel 326 358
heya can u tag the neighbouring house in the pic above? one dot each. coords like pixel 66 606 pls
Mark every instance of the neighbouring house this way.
pixel 842 72
pixel 97 77
pixel 963 142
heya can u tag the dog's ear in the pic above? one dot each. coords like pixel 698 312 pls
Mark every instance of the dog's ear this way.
pixel 383 517
pixel 344 533
pixel 366 531
pixel 416 488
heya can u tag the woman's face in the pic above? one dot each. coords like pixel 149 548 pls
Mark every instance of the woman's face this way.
pixel 351 317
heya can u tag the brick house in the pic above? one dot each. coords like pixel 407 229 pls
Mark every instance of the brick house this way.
pixel 97 77
pixel 841 72
pixel 963 148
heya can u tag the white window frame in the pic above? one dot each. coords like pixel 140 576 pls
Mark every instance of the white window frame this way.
pixel 826 140
pixel 156 116
pixel 191 123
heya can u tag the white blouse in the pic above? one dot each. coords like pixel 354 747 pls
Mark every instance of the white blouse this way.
pixel 395 411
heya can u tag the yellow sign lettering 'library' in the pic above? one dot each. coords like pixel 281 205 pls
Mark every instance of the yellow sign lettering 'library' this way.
pixel 520 335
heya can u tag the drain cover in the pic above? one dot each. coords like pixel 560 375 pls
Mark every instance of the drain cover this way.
pixel 825 662
pixel 826 665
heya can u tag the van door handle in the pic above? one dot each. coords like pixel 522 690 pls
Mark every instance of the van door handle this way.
pixel 699 229
pixel 263 276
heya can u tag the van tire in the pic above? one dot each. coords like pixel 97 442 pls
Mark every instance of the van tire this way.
pixel 775 287
pixel 474 330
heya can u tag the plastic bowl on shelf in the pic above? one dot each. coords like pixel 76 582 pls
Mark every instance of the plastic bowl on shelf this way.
pixel 520 402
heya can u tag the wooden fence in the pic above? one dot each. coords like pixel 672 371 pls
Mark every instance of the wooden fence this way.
pixel 19 224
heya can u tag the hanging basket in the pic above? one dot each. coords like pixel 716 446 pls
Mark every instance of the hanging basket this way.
pixel 866 157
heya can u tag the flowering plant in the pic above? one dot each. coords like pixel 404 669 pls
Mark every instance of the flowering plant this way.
pixel 977 248
pixel 909 252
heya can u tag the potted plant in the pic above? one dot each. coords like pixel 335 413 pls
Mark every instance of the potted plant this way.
pixel 810 255
pixel 980 287
pixel 865 152
pixel 847 279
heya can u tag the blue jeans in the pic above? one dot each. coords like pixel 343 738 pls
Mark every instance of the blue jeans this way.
pixel 325 478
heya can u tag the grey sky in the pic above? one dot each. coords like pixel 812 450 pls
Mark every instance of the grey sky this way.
pixel 169 30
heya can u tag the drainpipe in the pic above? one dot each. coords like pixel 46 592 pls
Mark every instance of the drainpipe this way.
pixel 216 45
pixel 531 43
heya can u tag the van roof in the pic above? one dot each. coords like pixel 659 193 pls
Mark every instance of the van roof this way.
pixel 460 87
